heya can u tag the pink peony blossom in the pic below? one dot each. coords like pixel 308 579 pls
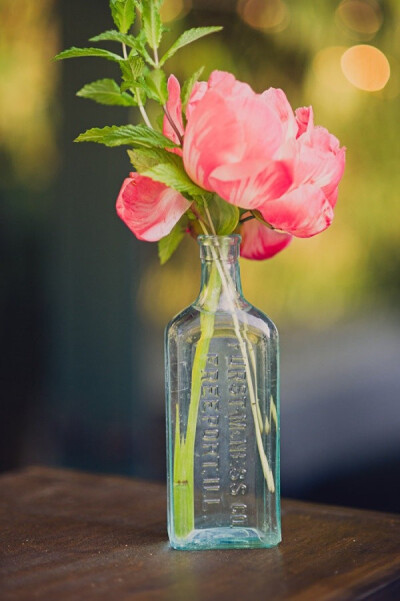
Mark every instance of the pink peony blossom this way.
pixel 316 164
pixel 254 152
pixel 251 150
pixel 231 139
pixel 149 208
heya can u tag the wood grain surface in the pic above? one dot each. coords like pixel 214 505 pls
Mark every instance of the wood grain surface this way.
pixel 73 536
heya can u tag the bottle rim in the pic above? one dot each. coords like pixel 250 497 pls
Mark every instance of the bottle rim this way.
pixel 204 239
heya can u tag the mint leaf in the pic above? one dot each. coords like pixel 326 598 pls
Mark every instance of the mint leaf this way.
pixel 143 159
pixel 141 47
pixel 125 135
pixel 115 36
pixel 175 177
pixel 137 43
pixel 188 86
pixel 106 91
pixel 152 23
pixel 77 52
pixel 188 37
pixel 123 14
pixel 168 245
pixel 156 86
pixel 225 216
pixel 131 70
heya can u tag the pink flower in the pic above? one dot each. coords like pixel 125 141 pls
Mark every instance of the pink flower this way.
pixel 255 153
pixel 174 108
pixel 231 139
pixel 260 242
pixel 251 150
pixel 316 164
pixel 149 208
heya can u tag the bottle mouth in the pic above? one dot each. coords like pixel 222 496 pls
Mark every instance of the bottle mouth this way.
pixel 224 248
pixel 230 240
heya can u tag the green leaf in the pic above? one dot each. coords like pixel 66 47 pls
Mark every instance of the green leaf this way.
pixel 115 36
pixel 174 176
pixel 188 37
pixel 168 245
pixel 188 86
pixel 123 14
pixel 131 70
pixel 141 47
pixel 156 82
pixel 152 23
pixel 137 43
pixel 143 159
pixel 225 216
pixel 126 135
pixel 77 52
pixel 160 121
pixel 106 91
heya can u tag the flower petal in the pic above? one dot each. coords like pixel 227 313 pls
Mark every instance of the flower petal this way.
pixel 303 212
pixel 249 184
pixel 149 208
pixel 174 107
pixel 331 189
pixel 213 137
pixel 320 161
pixel 197 93
pixel 305 119
pixel 260 242
pixel 230 124
pixel 276 98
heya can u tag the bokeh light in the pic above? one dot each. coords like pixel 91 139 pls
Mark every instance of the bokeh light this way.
pixel 363 17
pixel 266 15
pixel 366 67
pixel 326 66
pixel 174 9
pixel 28 83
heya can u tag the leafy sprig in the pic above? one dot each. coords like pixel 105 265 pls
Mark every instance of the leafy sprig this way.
pixel 143 79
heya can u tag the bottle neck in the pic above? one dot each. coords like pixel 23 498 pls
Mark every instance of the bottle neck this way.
pixel 220 272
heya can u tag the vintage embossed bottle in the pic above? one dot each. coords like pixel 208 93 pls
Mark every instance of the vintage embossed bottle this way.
pixel 222 397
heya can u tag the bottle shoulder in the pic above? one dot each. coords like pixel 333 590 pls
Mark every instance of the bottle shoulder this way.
pixel 245 315
pixel 185 317
pixel 260 320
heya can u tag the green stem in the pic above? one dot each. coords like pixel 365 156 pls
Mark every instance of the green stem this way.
pixel 142 109
pixel 184 446
pixel 244 219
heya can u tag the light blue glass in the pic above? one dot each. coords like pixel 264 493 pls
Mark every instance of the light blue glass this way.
pixel 222 403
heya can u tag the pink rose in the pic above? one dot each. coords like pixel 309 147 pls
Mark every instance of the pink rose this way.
pixel 149 208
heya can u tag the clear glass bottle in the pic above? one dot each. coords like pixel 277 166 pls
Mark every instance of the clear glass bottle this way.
pixel 222 398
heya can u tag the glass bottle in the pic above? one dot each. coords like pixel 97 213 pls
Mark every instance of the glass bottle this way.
pixel 222 409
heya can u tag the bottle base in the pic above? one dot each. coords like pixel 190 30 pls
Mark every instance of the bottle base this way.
pixel 226 538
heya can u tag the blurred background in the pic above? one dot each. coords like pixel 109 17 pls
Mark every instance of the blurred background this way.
pixel 83 304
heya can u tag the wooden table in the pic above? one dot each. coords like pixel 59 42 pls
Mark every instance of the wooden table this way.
pixel 69 535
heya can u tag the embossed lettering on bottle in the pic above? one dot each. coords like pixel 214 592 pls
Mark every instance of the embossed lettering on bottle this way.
pixel 237 421
pixel 210 429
